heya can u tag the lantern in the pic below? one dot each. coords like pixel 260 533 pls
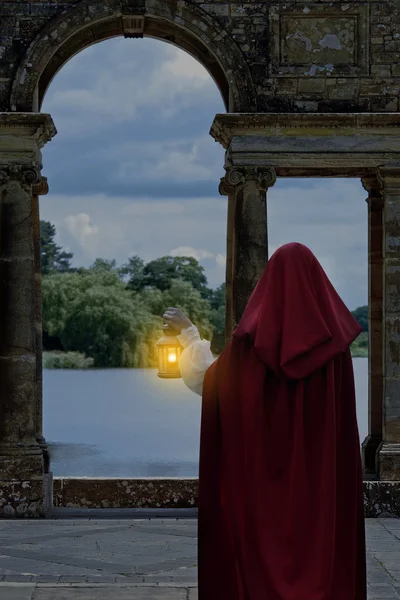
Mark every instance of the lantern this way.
pixel 169 352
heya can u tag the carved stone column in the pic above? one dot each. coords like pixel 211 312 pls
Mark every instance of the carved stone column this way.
pixel 22 479
pixel 226 189
pixel 389 451
pixel 39 189
pixel 247 251
pixel 375 326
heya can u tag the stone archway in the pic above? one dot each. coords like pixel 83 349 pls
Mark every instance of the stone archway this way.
pixel 82 25
pixel 311 91
pixel 89 22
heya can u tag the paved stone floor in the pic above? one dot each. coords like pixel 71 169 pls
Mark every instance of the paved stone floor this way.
pixel 138 559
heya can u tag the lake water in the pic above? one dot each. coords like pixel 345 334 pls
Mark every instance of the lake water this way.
pixel 130 423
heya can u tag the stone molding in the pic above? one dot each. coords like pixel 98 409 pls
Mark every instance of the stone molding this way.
pixel 38 126
pixel 389 178
pixel 227 125
pixel 311 145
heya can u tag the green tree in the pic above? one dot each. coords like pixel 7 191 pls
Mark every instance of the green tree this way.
pixel 361 315
pixel 160 273
pixel 184 296
pixel 154 300
pixel 52 257
pixel 107 325
pixel 133 272
pixel 103 265
pixel 59 290
pixel 93 313
pixel 217 297
pixel 217 318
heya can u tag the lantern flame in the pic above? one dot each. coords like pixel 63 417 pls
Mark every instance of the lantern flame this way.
pixel 172 357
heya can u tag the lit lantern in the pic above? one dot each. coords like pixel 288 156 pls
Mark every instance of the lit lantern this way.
pixel 169 353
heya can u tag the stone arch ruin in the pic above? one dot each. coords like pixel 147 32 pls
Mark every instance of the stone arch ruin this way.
pixel 311 89
pixel 89 22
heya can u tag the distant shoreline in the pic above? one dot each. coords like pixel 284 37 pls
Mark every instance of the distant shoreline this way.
pixel 63 361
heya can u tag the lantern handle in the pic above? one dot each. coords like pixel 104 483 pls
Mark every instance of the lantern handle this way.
pixel 168 331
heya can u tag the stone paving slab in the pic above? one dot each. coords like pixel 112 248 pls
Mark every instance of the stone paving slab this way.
pixel 104 594
pixel 139 559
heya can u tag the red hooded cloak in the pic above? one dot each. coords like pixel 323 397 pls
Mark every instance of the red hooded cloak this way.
pixel 281 513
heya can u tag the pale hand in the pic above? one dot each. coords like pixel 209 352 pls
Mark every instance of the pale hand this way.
pixel 176 319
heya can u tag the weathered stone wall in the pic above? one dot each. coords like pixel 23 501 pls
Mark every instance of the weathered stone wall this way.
pixel 70 492
pixel 381 499
pixel 318 56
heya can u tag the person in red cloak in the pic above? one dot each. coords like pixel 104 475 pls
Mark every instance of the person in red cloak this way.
pixel 281 514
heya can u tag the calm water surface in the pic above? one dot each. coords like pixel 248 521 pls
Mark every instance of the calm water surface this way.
pixel 130 423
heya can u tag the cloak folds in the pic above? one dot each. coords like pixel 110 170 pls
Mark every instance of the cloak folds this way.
pixel 281 513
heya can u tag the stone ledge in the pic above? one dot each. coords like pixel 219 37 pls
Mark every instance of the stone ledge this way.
pixel 82 492
pixel 381 499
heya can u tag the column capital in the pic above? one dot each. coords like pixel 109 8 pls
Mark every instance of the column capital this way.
pixel 22 136
pixel 373 186
pixel 265 177
pixel 24 173
pixel 41 188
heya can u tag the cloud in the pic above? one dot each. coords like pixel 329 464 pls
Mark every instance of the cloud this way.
pixel 182 66
pixel 80 227
pixel 130 82
pixel 189 251
pixel 181 161
pixel 133 119
pixel 212 267
pixel 92 238
pixel 328 263
pixel 328 216
pixel 114 227
pixel 221 261
pixel 134 171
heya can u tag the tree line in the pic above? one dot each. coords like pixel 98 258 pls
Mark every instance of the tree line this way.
pixel 113 314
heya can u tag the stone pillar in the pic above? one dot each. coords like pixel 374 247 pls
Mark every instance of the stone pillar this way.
pixel 247 252
pixel 389 451
pixel 39 189
pixel 226 189
pixel 22 479
pixel 375 326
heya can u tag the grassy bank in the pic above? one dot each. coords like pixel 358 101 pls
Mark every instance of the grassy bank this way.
pixel 359 349
pixel 66 360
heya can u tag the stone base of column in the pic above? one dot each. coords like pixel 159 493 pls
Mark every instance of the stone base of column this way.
pixel 389 461
pixel 48 493
pixel 46 454
pixel 370 457
pixel 23 484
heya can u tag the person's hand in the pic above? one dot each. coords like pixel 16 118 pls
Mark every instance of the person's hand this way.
pixel 176 319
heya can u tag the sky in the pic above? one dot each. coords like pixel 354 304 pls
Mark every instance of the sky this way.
pixel 134 171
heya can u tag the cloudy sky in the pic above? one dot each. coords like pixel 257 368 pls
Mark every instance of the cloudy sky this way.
pixel 133 170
